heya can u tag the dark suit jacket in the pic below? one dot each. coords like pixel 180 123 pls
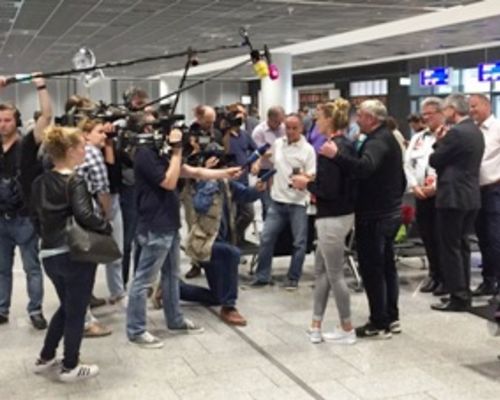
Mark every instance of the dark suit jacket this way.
pixel 457 159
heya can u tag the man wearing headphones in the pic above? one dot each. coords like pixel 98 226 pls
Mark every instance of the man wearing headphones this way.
pixel 18 164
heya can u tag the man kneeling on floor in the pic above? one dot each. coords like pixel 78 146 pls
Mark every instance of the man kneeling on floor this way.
pixel 211 242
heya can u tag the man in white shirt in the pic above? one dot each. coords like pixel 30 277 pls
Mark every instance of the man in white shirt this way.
pixel 266 133
pixel 488 219
pixel 421 179
pixel 291 155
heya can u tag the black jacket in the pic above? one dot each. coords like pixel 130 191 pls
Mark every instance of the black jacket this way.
pixel 457 160
pixel 334 186
pixel 56 197
pixel 381 178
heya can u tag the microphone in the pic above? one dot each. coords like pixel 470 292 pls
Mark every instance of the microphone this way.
pixel 256 155
pixel 259 66
pixel 273 69
pixel 267 175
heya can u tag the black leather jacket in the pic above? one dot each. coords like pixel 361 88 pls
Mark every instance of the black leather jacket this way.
pixel 55 197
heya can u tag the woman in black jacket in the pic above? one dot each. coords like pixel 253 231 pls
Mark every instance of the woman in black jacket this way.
pixel 59 194
pixel 334 190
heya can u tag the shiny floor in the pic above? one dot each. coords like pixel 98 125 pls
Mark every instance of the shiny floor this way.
pixel 438 356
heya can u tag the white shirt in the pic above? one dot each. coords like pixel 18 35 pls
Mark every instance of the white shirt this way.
pixel 490 166
pixel 416 164
pixel 262 134
pixel 287 157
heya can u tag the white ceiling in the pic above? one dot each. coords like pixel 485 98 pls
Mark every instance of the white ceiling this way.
pixel 42 35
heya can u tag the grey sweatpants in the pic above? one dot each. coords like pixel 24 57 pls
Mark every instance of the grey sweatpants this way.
pixel 329 266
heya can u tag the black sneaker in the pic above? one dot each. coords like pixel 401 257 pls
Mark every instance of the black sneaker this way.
pixel 96 302
pixel 370 331
pixel 38 321
pixel 485 289
pixel 290 285
pixel 3 319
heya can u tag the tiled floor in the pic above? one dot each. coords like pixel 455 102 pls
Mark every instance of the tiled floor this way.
pixel 438 356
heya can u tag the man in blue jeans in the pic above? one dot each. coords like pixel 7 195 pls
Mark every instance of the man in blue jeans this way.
pixel 19 165
pixel 291 155
pixel 158 235
pixel 212 243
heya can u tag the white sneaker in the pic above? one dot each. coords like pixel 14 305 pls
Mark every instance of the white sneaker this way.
pixel 315 335
pixel 395 327
pixel 340 336
pixel 42 366
pixel 79 373
pixel 189 328
pixel 148 341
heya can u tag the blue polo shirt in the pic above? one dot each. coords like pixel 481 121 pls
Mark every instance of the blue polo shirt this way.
pixel 242 146
pixel 158 208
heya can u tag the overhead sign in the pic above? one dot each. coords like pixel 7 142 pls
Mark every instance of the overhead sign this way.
pixel 435 76
pixel 489 72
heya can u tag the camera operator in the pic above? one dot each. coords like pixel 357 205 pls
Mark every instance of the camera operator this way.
pixel 19 165
pixel 134 98
pixel 158 204
pixel 212 242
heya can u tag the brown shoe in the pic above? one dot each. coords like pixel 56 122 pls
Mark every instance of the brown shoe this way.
pixel 96 329
pixel 193 272
pixel 231 316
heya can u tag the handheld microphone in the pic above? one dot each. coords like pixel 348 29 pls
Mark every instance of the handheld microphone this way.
pixel 256 155
pixel 273 69
pixel 267 175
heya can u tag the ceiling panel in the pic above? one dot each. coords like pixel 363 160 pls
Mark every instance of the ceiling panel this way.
pixel 36 33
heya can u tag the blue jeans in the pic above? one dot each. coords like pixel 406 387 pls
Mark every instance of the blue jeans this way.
pixel 278 215
pixel 19 231
pixel 222 277
pixel 129 216
pixel 159 251
pixel 488 232
pixel 375 247
pixel 114 272
pixel 265 196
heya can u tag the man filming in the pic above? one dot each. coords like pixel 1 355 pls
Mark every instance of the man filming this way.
pixel 158 226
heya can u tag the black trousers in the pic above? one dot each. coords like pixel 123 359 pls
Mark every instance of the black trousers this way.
pixel 73 282
pixel 488 232
pixel 426 222
pixel 454 228
pixel 375 247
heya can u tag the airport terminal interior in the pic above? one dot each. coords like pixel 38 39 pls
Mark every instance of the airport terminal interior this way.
pixel 250 199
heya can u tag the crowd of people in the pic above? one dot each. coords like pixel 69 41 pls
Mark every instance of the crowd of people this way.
pixel 353 165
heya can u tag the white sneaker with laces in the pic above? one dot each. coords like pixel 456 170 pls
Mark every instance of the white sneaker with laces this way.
pixel 189 328
pixel 315 335
pixel 42 366
pixel 79 373
pixel 340 336
pixel 148 341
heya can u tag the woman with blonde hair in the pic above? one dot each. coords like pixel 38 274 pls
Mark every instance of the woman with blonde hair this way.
pixel 334 189
pixel 60 194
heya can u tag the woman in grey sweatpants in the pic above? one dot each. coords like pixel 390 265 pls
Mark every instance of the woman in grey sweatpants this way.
pixel 334 190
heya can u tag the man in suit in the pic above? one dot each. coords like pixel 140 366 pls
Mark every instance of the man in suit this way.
pixel 457 160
